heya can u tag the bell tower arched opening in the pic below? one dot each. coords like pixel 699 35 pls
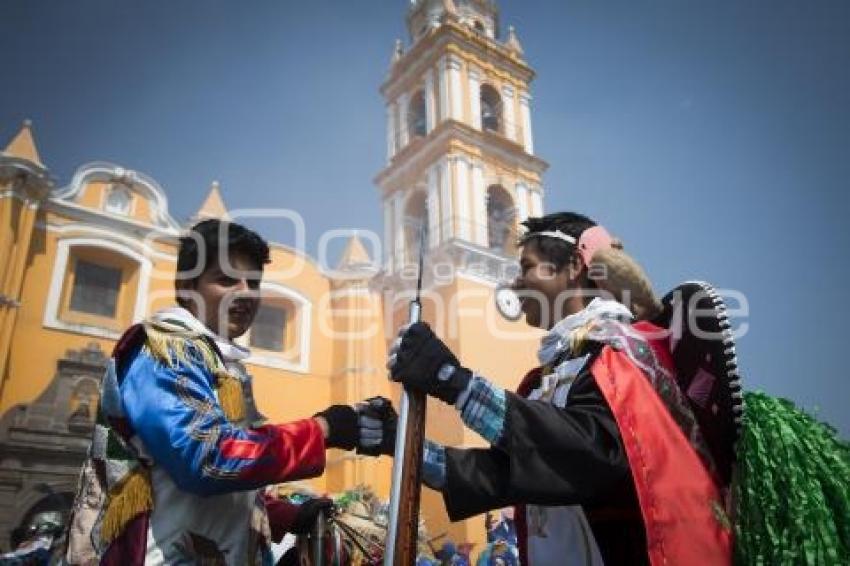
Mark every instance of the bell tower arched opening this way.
pixel 491 109
pixel 415 215
pixel 417 118
pixel 501 218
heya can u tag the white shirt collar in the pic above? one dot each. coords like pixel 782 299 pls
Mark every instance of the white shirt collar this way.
pixel 557 340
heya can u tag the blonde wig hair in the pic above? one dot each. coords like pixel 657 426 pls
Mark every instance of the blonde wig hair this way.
pixel 616 272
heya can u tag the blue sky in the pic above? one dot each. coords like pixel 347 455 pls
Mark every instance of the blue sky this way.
pixel 713 137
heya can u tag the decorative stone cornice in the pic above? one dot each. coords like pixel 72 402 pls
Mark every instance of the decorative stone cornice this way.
pixel 30 181
pixel 416 156
pixel 136 181
pixel 466 43
pixel 444 264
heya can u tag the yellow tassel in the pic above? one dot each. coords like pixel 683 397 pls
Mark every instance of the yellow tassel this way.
pixel 127 500
pixel 170 347
pixel 230 396
pixel 579 338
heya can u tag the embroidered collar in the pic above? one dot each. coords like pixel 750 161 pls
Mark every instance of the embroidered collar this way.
pixel 557 340
pixel 179 319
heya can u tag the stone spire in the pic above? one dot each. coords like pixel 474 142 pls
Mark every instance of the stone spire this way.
pixel 23 145
pixel 354 256
pixel 513 43
pixel 213 206
pixel 398 52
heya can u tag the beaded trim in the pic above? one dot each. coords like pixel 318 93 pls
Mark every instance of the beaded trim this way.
pixel 730 358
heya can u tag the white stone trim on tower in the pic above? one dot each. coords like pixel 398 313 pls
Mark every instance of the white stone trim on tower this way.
pixel 536 201
pixel 475 97
pixel 525 112
pixel 391 130
pixel 479 205
pixel 403 108
pixel 446 228
pixel 57 281
pixel 442 67
pixel 430 101
pixel 398 229
pixel 464 218
pixel 454 67
pixel 433 208
pixel 522 201
pixel 508 110
pixel 388 234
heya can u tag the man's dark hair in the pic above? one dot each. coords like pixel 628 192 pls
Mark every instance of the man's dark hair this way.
pixel 212 232
pixel 552 249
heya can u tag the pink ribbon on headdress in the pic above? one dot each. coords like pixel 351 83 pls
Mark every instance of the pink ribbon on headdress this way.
pixel 591 241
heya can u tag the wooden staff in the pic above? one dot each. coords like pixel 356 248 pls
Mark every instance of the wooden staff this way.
pixel 403 529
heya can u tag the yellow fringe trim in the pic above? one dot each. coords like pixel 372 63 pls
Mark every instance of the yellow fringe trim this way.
pixel 127 500
pixel 230 396
pixel 170 347
pixel 579 338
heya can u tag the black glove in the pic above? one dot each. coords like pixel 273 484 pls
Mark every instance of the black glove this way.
pixel 378 422
pixel 422 362
pixel 307 514
pixel 342 426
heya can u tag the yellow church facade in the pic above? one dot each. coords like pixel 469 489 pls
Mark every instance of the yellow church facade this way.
pixel 81 261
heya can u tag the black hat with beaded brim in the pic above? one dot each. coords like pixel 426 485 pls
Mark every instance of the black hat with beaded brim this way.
pixel 702 343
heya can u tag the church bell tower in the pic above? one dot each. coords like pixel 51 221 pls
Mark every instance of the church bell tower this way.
pixel 460 147
pixel 460 158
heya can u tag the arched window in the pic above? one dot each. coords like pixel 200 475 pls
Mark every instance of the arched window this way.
pixel 280 335
pixel 501 215
pixel 98 287
pixel 479 27
pixel 491 109
pixel 415 214
pixel 417 123
pixel 95 287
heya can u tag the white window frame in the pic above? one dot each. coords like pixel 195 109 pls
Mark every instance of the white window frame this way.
pixel 57 282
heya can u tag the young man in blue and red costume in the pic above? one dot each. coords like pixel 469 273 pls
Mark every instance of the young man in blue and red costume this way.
pixel 180 454
pixel 598 449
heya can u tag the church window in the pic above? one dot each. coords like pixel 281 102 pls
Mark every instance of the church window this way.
pixel 501 216
pixel 491 109
pixel 280 335
pixel 479 27
pixel 416 115
pixel 98 287
pixel 118 200
pixel 415 214
pixel 269 329
pixel 95 289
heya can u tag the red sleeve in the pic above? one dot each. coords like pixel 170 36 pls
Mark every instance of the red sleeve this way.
pixel 290 451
